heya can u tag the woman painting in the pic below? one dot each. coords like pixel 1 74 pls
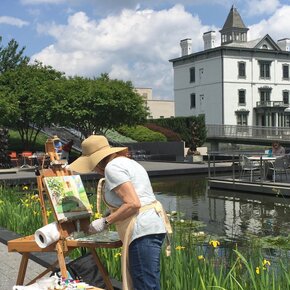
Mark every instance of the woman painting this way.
pixel 139 218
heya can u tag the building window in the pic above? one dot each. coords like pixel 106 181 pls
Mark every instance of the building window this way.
pixel 265 95
pixel 286 97
pixel 242 97
pixel 192 101
pixel 265 69
pixel 192 74
pixel 285 71
pixel 242 69
pixel 242 118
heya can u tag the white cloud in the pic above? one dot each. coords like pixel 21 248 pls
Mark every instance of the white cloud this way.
pixel 277 26
pixel 133 45
pixel 12 21
pixel 261 7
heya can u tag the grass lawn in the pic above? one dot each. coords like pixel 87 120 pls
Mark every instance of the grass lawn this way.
pixel 14 142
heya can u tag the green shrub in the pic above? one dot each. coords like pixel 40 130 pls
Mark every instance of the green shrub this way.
pixel 169 134
pixel 141 134
pixel 191 129
pixel 117 137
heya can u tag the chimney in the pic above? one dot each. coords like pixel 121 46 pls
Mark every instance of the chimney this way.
pixel 284 44
pixel 209 40
pixel 186 46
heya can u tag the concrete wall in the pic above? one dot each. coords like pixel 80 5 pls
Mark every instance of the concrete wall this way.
pixel 166 151
pixel 161 108
pixel 158 108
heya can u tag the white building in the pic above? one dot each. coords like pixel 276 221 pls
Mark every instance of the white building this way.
pixel 158 108
pixel 240 82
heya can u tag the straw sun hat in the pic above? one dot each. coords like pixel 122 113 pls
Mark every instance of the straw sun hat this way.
pixel 94 149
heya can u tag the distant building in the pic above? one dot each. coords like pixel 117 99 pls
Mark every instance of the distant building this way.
pixel 158 108
pixel 240 82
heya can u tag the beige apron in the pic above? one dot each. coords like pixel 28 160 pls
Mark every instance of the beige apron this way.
pixel 125 229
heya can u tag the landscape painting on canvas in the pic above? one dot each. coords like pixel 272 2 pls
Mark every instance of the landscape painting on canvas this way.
pixel 68 197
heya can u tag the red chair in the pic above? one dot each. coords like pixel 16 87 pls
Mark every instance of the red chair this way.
pixel 14 157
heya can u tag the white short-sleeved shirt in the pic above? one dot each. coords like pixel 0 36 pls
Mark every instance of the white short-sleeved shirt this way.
pixel 121 170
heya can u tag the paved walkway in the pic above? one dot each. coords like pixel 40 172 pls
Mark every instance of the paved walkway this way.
pixel 9 262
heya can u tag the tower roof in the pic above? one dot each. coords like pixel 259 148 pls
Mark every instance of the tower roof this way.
pixel 234 20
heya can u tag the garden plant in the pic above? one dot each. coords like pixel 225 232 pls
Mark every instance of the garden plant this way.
pixel 198 260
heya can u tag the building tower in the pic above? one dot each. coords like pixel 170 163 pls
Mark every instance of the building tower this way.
pixel 234 29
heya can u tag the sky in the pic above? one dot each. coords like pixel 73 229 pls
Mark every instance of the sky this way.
pixel 128 39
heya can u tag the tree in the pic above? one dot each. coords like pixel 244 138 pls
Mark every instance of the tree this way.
pixel 96 105
pixel 11 56
pixel 27 99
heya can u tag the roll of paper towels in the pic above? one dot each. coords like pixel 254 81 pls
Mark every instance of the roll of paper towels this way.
pixel 47 235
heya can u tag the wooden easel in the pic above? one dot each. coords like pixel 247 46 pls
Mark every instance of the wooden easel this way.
pixel 64 246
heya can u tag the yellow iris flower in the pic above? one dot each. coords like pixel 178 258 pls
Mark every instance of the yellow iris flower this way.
pixel 214 243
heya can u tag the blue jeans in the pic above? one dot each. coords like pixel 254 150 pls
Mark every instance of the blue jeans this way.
pixel 144 262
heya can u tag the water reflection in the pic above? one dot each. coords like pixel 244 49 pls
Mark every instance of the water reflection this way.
pixel 234 215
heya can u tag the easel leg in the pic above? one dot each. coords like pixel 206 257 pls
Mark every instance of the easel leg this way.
pixel 61 260
pixel 103 271
pixel 22 269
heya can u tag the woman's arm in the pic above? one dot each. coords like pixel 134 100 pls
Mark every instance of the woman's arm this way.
pixel 131 203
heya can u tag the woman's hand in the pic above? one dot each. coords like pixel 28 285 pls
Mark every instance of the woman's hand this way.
pixel 97 226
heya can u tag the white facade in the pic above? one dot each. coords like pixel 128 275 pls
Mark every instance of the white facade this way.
pixel 161 109
pixel 207 89
pixel 238 83
pixel 158 108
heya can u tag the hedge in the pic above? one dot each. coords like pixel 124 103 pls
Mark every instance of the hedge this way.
pixel 191 129
pixel 141 134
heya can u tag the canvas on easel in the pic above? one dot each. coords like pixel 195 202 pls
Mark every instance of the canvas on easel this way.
pixel 68 197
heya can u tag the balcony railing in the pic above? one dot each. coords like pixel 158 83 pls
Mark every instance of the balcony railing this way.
pixel 267 104
pixel 235 132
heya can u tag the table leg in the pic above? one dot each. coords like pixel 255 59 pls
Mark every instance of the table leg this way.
pixel 103 271
pixel 49 269
pixel 22 269
pixel 25 164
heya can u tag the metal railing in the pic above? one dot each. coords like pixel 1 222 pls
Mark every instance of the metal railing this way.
pixel 250 134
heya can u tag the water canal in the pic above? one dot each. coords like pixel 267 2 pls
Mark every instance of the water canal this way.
pixel 233 216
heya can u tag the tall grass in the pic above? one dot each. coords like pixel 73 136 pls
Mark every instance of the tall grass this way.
pixel 197 261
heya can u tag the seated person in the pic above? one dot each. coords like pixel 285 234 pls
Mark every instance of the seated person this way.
pixel 277 149
pixel 57 144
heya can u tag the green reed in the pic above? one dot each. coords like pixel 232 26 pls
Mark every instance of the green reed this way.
pixel 197 261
